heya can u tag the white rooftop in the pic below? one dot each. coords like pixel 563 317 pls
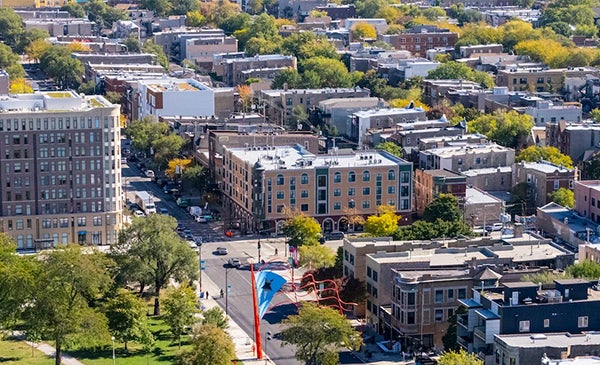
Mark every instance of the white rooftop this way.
pixel 387 112
pixel 558 340
pixel 486 171
pixel 276 93
pixel 470 148
pixel 476 196
pixel 296 157
pixel 51 101
pixel 545 167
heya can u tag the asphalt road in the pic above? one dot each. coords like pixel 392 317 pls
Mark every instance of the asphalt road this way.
pixel 239 301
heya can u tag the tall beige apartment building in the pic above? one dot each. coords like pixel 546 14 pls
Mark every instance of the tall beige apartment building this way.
pixel 262 182
pixel 60 169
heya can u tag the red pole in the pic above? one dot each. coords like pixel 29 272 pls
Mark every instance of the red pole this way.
pixel 259 352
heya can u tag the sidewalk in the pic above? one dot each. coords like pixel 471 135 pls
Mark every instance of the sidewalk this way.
pixel 50 351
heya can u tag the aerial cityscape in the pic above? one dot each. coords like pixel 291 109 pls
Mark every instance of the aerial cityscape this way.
pixel 319 182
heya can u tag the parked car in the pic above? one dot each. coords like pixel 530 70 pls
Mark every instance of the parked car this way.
pixel 139 213
pixel 335 235
pixel 192 244
pixel 234 262
pixel 497 226
pixel 164 211
pixel 222 251
pixel 149 173
pixel 188 234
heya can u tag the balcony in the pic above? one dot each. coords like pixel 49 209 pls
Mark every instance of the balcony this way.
pixel 479 331
pixel 463 320
pixel 464 341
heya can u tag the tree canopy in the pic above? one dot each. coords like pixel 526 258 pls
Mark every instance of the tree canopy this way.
pixel 460 357
pixel 127 319
pixel 150 252
pixel 585 269
pixel 564 197
pixel 318 334
pixel 180 307
pixel 144 132
pixel 546 153
pixel 460 71
pixel 302 230
pixel 390 147
pixel 382 224
pixel 210 345
pixel 508 129
pixel 444 207
pixel 316 257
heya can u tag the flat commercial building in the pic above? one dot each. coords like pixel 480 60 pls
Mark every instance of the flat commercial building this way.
pixel 61 169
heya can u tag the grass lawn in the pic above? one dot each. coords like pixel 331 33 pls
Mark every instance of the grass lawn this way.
pixel 164 350
pixel 19 353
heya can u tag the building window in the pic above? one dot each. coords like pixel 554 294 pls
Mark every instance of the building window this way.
pixel 391 175
pixel 337 177
pixel 351 191
pixel 304 207
pixel 439 315
pixel 337 192
pixel 524 326
pixel 582 322
pixel 280 195
pixel 351 204
pixel 391 189
pixel 366 191
pixel 556 184
pixel 450 294
pixel 337 206
pixel 279 208
pixel 304 179
pixel 366 176
pixel 375 276
pixel 439 296
pixel 546 323
pixel 351 176
pixel 366 204
pixel 304 194
pixel 280 180
pixel 462 293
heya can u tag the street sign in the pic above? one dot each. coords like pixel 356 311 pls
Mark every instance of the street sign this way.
pixel 202 264
pixel 229 288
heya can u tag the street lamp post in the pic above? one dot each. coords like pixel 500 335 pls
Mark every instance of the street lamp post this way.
pixel 268 338
pixel 258 246
pixel 113 348
pixel 227 291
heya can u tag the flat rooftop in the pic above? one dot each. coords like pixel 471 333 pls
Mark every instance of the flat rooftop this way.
pixel 51 101
pixel 467 148
pixel 545 167
pixel 558 340
pixel 487 171
pixel 278 93
pixel 389 112
pixel 296 157
pixel 476 196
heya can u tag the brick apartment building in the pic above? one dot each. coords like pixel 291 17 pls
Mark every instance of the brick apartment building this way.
pixel 61 180
pixel 419 39
pixel 261 182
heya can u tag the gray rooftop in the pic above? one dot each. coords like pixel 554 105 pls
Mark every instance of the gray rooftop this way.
pixel 476 196
pixel 559 340
pixel 545 167
pixel 486 171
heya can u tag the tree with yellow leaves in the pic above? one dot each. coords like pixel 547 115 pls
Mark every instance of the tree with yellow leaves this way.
pixel 384 223
pixel 20 86
pixel 36 49
pixel 176 166
pixel 363 30
pixel 246 94
pixel 78 47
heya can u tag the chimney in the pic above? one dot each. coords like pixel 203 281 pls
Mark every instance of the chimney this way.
pixel 518 230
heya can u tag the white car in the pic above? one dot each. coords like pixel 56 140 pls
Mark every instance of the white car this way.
pixel 222 251
pixel 234 262
pixel 139 213
pixel 150 173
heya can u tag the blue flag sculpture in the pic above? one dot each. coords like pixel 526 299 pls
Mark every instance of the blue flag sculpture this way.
pixel 268 284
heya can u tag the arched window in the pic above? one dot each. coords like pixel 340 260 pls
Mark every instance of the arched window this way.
pixel 337 177
pixel 391 175
pixel 351 176
pixel 304 179
pixel 366 176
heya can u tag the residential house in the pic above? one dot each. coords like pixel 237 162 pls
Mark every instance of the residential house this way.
pixel 577 140
pixel 540 78
pixel 420 38
pixel 542 179
pixel 429 184
pixel 465 157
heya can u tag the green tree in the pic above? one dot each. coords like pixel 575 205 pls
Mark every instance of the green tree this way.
pixel 157 50
pixel 585 269
pixel 460 357
pixel 304 45
pixel 132 43
pixel 215 316
pixel 449 338
pixel 61 307
pixel 9 61
pixel 210 345
pixel 149 250
pixel 74 9
pixel 287 77
pixel 127 319
pixel 58 64
pixel 113 97
pixel 319 333
pixel 546 153
pixel 508 129
pixel 103 14
pixel 29 36
pixel 456 70
pixel 87 88
pixel 36 49
pixel 332 73
pixel 183 7
pixel 382 224
pixel 390 147
pixel 180 307
pixel 298 116
pixel 17 277
pixel 316 257
pixel 143 133
pixel 302 230
pixel 444 207
pixel 546 277
pixel 196 176
pixel 11 27
pixel 166 147
pixel 159 7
